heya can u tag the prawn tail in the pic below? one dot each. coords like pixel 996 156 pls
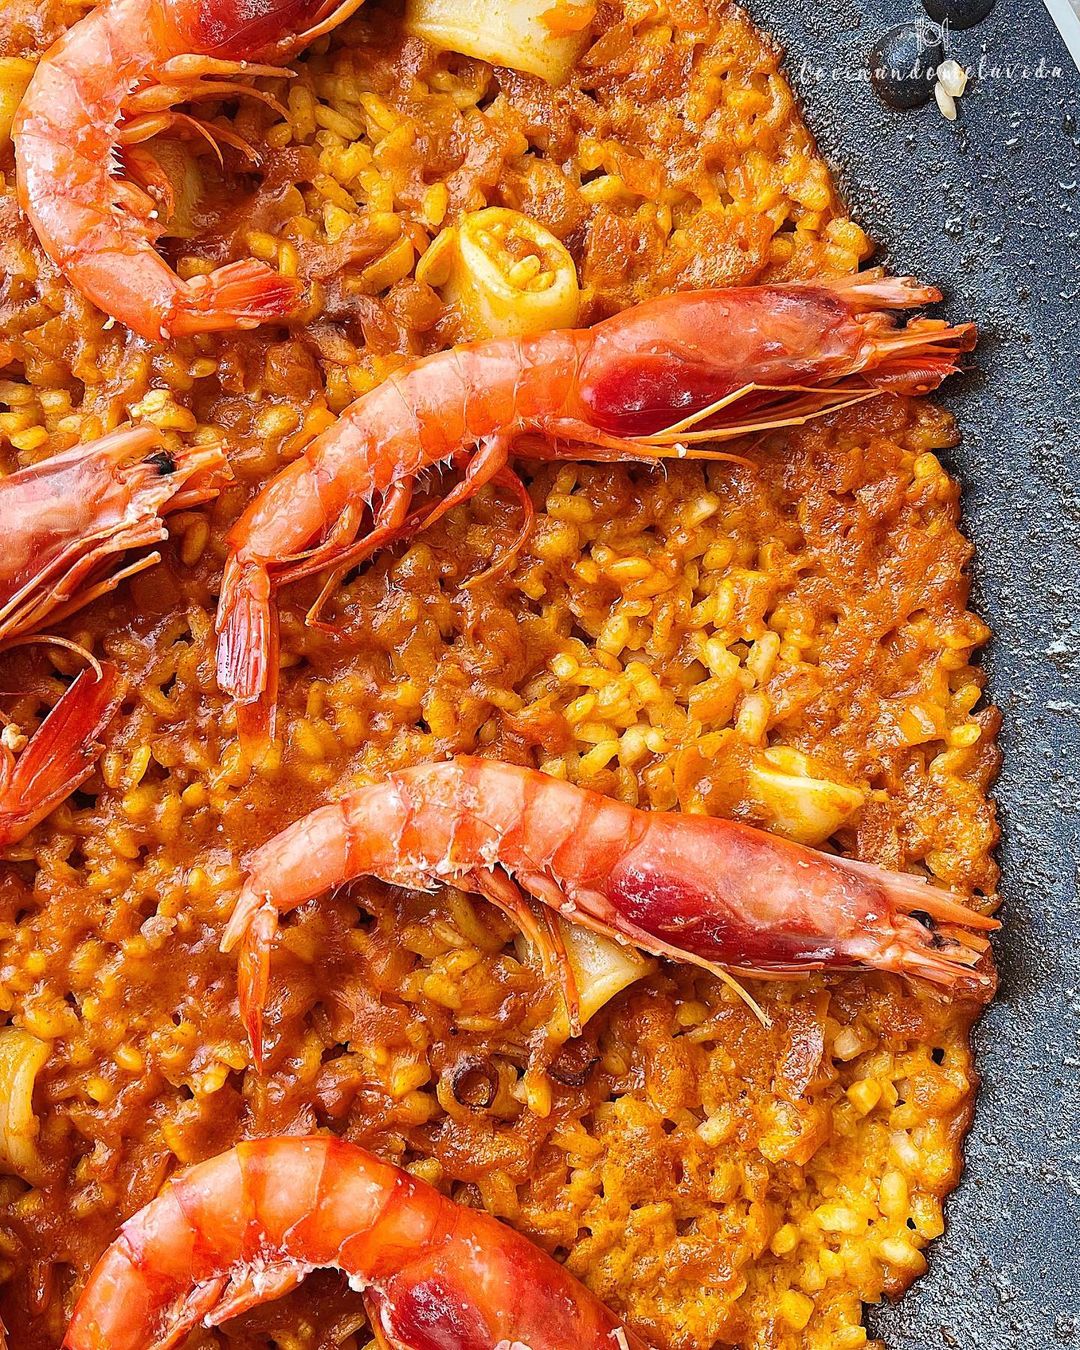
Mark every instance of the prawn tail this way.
pixel 242 294
pixel 60 755
pixel 247 653
pixel 245 630
pixel 256 723
pixel 253 973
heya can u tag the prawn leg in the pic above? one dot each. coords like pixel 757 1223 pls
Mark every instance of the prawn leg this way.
pixel 248 1288
pixel 330 14
pixel 140 129
pixel 374 1316
pixel 192 67
pixel 391 521
pixel 161 97
pixel 502 563
pixel 542 932
pixel 257 720
pixel 392 524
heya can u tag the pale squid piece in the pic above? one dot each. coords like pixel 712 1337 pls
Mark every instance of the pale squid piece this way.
pixel 599 968
pixel 247 1226
pixel 503 274
pixel 22 1057
pixel 539 37
pixel 15 73
pixel 798 798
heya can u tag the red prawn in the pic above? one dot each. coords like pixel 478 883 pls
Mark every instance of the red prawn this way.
pixel 693 888
pixel 249 1225
pixel 66 520
pixel 110 83
pixel 656 381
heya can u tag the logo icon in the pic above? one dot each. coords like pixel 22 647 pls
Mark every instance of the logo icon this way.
pixel 930 35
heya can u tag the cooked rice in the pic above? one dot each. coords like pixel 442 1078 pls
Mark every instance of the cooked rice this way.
pixel 716 1181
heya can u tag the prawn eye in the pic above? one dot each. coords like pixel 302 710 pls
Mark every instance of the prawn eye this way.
pixel 163 461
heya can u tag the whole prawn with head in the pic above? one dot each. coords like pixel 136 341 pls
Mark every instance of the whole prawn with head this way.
pixel 112 82
pixel 67 520
pixel 659 380
pixel 693 888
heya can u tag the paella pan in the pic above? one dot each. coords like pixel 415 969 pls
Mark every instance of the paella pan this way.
pixel 496 826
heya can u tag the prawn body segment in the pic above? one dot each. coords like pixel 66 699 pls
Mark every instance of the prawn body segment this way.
pixel 673 364
pixel 250 1224
pixel 652 382
pixel 712 892
pixel 108 81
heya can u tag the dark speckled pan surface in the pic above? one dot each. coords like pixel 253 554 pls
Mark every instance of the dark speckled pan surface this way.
pixel 989 208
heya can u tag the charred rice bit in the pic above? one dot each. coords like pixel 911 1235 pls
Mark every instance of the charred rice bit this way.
pixel 687 638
